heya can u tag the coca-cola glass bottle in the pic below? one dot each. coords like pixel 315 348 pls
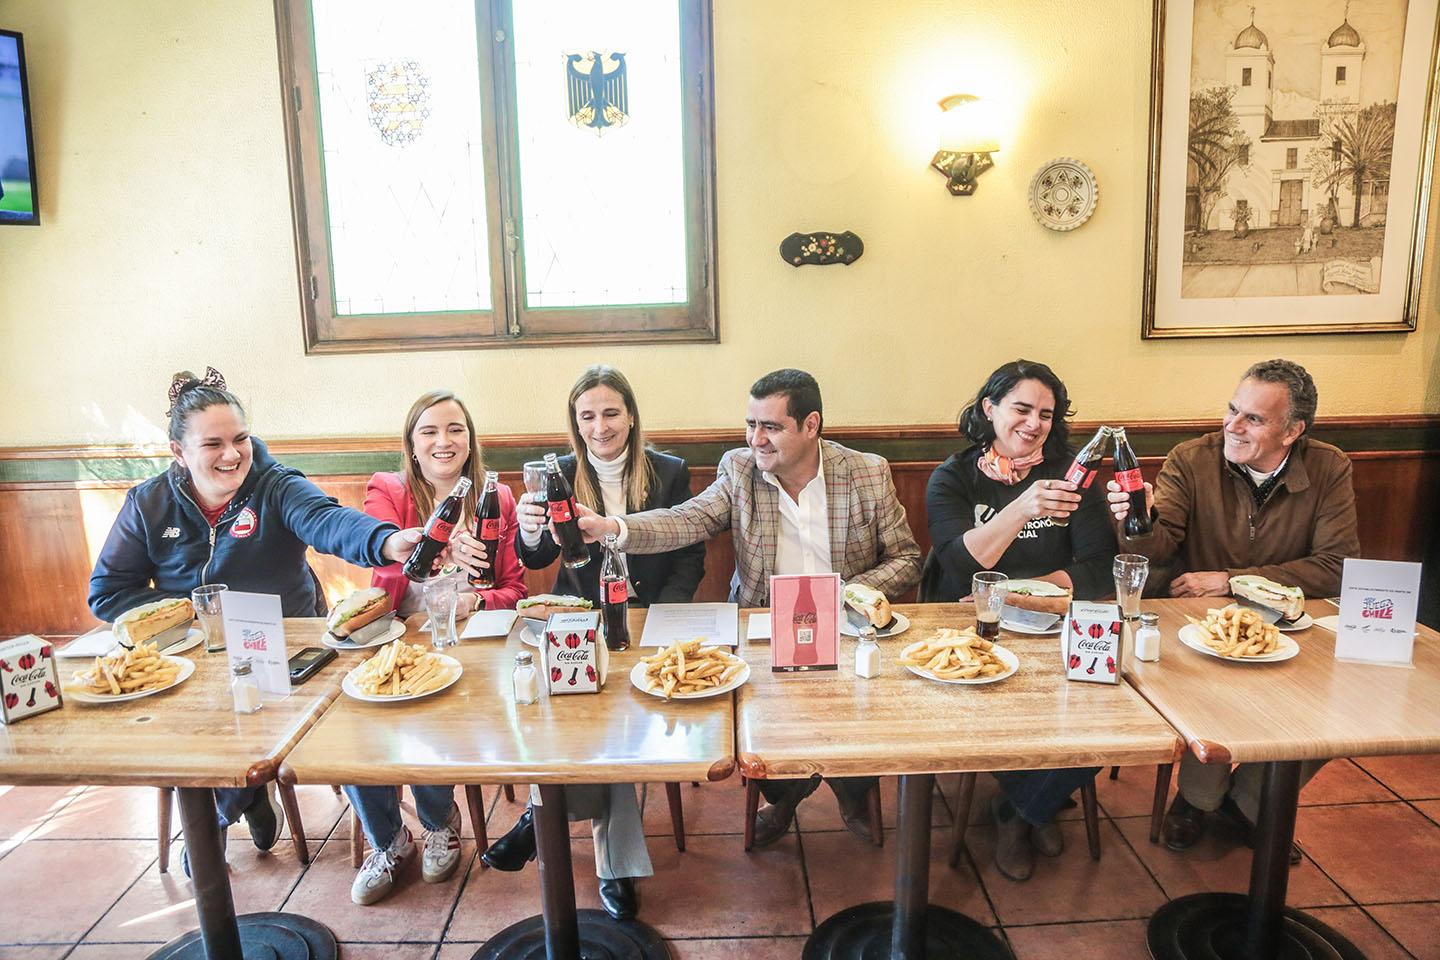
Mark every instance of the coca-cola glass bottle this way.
pixel 487 529
pixel 1083 468
pixel 615 596
pixel 561 502
pixel 1127 475
pixel 437 532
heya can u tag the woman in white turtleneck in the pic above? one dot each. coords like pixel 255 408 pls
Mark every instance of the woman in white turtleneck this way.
pixel 612 472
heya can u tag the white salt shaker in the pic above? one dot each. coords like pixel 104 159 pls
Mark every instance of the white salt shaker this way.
pixel 525 679
pixel 244 688
pixel 1147 638
pixel 867 654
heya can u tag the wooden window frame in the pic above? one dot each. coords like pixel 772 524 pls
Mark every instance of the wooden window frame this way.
pixel 510 322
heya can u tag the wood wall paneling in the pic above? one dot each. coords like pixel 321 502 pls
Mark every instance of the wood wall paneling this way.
pixel 50 531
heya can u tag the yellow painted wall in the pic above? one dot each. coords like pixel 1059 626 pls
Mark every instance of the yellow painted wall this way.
pixel 166 240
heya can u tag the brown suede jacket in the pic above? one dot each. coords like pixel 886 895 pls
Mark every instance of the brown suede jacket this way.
pixel 1206 518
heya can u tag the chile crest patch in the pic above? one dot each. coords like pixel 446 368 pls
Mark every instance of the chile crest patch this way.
pixel 244 524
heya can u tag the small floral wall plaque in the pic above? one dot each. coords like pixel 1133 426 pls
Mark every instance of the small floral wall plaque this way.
pixel 821 249
pixel 1063 194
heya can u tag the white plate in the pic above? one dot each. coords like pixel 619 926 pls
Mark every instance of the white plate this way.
pixel 348 684
pixel 193 638
pixel 1014 627
pixel 1304 623
pixel 187 667
pixel 901 624
pixel 529 635
pixel 397 630
pixel 1192 636
pixel 1012 663
pixel 637 680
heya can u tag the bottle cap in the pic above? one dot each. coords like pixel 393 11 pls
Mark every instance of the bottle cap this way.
pixel 241 668
pixel 524 659
pixel 1150 619
pixel 867 634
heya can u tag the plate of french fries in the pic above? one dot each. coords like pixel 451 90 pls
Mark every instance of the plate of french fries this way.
pixel 401 671
pixel 958 656
pixel 128 675
pixel 687 670
pixel 1238 634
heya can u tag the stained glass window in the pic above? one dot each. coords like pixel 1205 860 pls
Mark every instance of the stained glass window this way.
pixel 470 173
pixel 400 126
pixel 602 187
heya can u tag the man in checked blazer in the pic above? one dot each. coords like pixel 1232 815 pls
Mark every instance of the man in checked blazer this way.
pixel 794 503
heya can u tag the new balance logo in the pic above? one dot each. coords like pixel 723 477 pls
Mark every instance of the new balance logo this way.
pixel 170 533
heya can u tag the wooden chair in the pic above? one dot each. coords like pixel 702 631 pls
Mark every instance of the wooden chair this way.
pixel 752 805
pixel 286 793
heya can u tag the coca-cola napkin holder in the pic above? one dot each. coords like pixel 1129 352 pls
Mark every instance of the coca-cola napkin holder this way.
pixel 29 680
pixel 576 658
pixel 1090 642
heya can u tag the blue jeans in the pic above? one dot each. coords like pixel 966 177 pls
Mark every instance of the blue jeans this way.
pixel 379 810
pixel 1039 794
pixel 231 802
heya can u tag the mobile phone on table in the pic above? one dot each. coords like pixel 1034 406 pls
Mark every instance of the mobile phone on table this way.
pixel 307 662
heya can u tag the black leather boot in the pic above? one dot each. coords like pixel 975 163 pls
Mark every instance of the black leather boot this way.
pixel 517 848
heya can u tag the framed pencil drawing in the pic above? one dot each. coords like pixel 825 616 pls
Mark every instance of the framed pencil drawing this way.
pixel 1291 150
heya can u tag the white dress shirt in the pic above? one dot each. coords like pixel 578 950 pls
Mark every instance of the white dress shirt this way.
pixel 802 544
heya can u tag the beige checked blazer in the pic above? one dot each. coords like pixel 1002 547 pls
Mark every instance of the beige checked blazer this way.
pixel 870 539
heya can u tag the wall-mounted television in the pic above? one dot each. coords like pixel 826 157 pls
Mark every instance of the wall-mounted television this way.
pixel 19 201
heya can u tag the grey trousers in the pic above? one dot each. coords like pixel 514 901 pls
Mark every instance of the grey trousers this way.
pixel 615 822
pixel 1204 785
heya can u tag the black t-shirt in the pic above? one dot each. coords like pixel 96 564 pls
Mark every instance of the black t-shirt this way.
pixel 959 498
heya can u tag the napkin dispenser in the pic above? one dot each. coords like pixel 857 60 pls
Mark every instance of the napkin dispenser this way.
pixel 576 658
pixel 1091 640
pixel 29 680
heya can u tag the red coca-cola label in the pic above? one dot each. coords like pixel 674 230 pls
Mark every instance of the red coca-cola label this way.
pixel 1080 474
pixel 562 510
pixel 616 592
pixel 490 529
pixel 1129 480
pixel 441 531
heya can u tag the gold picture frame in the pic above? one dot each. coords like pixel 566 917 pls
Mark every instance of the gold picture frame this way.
pixel 1272 158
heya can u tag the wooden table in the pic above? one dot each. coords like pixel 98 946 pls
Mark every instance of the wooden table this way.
pixel 473 732
pixel 1310 707
pixel 188 737
pixel 839 724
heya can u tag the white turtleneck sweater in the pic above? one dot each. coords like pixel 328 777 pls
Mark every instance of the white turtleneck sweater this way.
pixel 612 483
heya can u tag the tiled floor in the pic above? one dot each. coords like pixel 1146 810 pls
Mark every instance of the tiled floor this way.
pixel 85 858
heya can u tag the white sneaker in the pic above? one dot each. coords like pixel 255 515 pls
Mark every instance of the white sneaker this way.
pixel 441 854
pixel 377 873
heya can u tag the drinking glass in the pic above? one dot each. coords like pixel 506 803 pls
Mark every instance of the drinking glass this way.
pixel 535 477
pixel 989 590
pixel 1130 571
pixel 207 599
pixel 441 598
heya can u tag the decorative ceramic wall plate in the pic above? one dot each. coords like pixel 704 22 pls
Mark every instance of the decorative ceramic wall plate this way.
pixel 1063 194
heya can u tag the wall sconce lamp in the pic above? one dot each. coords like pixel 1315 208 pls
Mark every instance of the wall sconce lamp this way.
pixel 967 138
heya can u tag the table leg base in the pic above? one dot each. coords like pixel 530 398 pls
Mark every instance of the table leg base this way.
pixel 263 936
pixel 1206 926
pixel 601 938
pixel 863 933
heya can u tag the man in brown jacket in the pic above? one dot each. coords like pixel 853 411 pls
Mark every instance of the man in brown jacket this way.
pixel 1258 497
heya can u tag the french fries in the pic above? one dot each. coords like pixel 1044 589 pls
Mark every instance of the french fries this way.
pixel 139 668
pixel 954 655
pixel 686 668
pixel 401 669
pixel 1238 632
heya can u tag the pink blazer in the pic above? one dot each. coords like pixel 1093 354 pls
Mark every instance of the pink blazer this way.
pixel 386 498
